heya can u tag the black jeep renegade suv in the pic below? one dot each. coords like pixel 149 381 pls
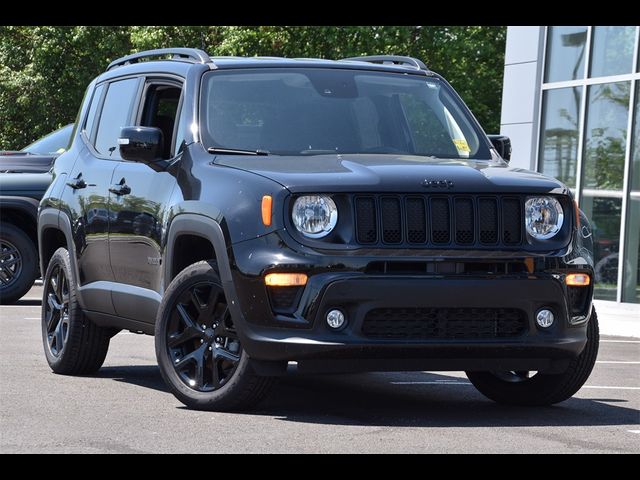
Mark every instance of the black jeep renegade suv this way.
pixel 345 215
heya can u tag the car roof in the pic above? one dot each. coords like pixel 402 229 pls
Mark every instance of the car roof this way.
pixel 181 67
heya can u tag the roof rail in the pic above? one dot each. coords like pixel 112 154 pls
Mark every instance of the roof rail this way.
pixel 391 60
pixel 194 54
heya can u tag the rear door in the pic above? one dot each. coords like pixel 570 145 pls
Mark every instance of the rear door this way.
pixel 89 182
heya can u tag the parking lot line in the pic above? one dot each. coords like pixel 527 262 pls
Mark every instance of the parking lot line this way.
pixel 602 387
pixel 599 387
pixel 619 341
pixel 613 362
pixel 431 383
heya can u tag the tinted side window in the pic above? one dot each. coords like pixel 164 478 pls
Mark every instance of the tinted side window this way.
pixel 116 113
pixel 93 109
pixel 160 111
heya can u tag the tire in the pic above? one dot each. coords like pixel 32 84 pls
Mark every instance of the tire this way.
pixel 18 251
pixel 72 343
pixel 205 368
pixel 541 389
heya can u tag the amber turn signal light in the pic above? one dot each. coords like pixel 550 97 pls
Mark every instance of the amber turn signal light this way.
pixel 267 207
pixel 285 280
pixel 577 280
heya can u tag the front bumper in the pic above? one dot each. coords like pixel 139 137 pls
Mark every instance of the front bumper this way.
pixel 345 282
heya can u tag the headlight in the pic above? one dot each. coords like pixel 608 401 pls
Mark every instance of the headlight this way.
pixel 314 215
pixel 543 217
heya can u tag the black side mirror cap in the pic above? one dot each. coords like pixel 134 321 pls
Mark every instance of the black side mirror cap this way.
pixel 502 144
pixel 141 144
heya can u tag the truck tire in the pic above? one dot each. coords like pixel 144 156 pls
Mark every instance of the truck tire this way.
pixel 18 263
pixel 197 346
pixel 517 388
pixel 73 344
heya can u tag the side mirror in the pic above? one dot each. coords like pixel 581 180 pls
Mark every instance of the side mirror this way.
pixel 502 144
pixel 141 144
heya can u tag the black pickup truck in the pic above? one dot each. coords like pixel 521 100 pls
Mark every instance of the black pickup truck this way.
pixel 20 194
pixel 39 156
pixel 24 178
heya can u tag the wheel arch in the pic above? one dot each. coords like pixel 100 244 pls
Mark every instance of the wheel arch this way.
pixel 204 233
pixel 21 212
pixel 54 231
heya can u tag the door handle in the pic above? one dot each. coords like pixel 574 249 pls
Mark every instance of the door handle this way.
pixel 77 182
pixel 120 188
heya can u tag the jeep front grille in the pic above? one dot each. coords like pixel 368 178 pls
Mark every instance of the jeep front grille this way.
pixel 439 220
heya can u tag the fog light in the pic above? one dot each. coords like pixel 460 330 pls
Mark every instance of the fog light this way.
pixel 335 319
pixel 545 318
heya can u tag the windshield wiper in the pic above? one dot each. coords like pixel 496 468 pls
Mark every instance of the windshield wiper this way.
pixel 235 151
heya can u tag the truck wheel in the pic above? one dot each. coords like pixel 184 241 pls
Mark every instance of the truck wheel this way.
pixel 18 263
pixel 73 344
pixel 198 348
pixel 520 388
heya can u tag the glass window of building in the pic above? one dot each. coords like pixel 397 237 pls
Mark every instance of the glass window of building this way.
pixel 631 274
pixel 612 50
pixel 606 136
pixel 560 133
pixel 590 140
pixel 605 214
pixel 565 53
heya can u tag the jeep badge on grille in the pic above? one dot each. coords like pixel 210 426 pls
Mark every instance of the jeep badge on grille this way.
pixel 428 183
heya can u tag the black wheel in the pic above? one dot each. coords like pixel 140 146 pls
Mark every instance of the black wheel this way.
pixel 18 263
pixel 198 348
pixel 537 389
pixel 73 344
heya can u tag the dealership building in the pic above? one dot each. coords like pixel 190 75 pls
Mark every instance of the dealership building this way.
pixel 571 106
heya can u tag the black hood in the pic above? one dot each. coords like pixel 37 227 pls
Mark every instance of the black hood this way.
pixel 392 173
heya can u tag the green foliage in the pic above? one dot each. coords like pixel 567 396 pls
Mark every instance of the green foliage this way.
pixel 44 71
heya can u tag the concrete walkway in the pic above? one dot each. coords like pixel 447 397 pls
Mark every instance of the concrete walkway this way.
pixel 619 319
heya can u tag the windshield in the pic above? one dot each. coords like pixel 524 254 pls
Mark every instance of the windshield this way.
pixel 319 111
pixel 52 144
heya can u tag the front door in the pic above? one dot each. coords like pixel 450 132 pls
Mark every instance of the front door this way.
pixel 138 203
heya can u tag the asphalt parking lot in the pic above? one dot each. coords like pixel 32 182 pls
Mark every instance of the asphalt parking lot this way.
pixel 126 408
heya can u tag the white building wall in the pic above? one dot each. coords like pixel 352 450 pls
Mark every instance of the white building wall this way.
pixel 521 92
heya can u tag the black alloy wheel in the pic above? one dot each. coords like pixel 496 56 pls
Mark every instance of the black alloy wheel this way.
pixel 57 311
pixel 201 339
pixel 198 345
pixel 73 344
pixel 10 263
pixel 18 263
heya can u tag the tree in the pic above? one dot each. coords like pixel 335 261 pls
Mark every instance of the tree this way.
pixel 44 71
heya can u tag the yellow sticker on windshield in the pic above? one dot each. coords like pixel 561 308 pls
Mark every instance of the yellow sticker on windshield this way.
pixel 462 145
pixel 61 150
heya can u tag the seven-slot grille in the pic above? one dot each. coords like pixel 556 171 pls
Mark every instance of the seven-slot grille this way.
pixel 438 220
